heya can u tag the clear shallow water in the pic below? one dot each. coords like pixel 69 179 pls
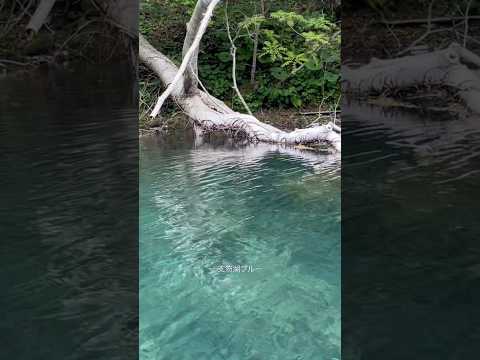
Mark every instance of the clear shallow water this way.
pixel 205 206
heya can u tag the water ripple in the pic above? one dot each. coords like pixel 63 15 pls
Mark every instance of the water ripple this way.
pixel 272 208
pixel 68 208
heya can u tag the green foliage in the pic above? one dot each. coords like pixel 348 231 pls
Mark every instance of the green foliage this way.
pixel 298 59
pixel 187 3
pixel 300 55
pixel 150 10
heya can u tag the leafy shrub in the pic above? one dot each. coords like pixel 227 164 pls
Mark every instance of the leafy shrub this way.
pixel 298 58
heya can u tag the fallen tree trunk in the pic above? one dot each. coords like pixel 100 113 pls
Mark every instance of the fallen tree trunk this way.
pixel 209 113
pixel 443 67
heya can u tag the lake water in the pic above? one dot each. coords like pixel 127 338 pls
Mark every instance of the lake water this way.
pixel 410 254
pixel 68 215
pixel 239 245
pixel 273 216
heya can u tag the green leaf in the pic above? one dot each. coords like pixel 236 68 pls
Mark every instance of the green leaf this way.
pixel 296 101
pixel 279 73
pixel 313 64
pixel 224 56
pixel 331 77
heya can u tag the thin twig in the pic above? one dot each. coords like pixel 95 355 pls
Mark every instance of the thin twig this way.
pixel 233 52
pixel 80 28
pixel 335 111
pixel 465 35
pixel 320 112
pixel 425 21
pixel 13 62
pixel 426 33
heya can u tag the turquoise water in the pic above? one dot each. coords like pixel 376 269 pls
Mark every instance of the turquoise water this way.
pixel 274 216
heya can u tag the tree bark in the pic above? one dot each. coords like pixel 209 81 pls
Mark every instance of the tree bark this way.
pixel 191 74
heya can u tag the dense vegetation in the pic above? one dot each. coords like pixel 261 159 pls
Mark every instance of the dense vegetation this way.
pixel 288 52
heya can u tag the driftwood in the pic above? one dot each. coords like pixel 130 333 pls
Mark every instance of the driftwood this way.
pixel 207 112
pixel 446 67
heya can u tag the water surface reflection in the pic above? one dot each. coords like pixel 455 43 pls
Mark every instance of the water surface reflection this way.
pixel 410 234
pixel 204 205
pixel 69 210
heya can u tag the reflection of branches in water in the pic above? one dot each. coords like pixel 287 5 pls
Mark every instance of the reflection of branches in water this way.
pixel 241 152
pixel 445 143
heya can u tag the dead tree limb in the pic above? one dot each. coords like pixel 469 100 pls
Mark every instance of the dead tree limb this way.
pixel 211 114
